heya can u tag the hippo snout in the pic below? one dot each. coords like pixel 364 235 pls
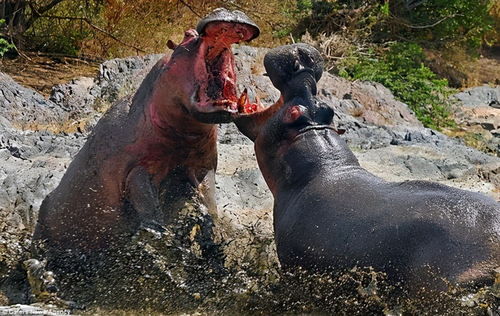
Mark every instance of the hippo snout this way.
pixel 288 65
pixel 311 112
pixel 323 114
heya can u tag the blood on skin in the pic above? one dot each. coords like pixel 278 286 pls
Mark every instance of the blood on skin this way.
pixel 293 113
pixel 221 35
pixel 220 67
pixel 244 105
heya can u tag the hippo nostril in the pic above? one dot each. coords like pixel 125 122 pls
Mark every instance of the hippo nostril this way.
pixel 324 115
pixel 293 113
pixel 307 59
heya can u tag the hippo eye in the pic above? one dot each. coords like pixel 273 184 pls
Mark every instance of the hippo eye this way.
pixel 189 33
pixel 306 58
pixel 296 65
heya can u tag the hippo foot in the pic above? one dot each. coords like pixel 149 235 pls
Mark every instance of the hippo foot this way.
pixel 43 285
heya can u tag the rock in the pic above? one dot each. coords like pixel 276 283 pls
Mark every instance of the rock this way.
pixel 486 117
pixel 244 206
pixel 490 172
pixel 481 120
pixel 453 165
pixel 478 111
pixel 420 167
pixel 119 77
pixel 33 160
pixel 480 96
pixel 368 102
pixel 23 108
pixel 74 96
pixel 116 79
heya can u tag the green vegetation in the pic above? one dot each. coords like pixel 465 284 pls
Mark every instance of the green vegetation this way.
pixel 63 35
pixel 436 23
pixel 410 46
pixel 5 46
pixel 401 69
pixel 441 22
pixel 118 28
pixel 389 42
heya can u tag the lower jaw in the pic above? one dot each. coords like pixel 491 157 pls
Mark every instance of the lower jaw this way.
pixel 228 101
pixel 216 117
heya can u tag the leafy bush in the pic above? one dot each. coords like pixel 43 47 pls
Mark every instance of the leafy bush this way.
pixel 5 46
pixel 117 28
pixel 401 69
pixel 493 37
pixel 63 28
pixel 435 23
pixel 438 22
pixel 358 18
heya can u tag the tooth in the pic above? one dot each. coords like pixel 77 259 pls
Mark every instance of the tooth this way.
pixel 258 103
pixel 243 99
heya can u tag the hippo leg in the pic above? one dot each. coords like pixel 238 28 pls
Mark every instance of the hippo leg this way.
pixel 143 197
pixel 207 192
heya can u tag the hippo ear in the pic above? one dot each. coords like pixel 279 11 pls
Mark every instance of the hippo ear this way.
pixel 250 125
pixel 171 45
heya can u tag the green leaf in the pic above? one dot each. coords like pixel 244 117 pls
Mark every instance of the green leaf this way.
pixel 401 69
pixel 385 8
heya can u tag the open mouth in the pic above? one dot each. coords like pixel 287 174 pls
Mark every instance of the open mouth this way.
pixel 216 90
pixel 309 128
pixel 315 127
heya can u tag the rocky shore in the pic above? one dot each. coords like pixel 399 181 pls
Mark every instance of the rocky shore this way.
pixel 39 137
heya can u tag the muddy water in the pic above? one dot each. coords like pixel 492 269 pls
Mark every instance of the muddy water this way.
pixel 184 271
pixel 355 292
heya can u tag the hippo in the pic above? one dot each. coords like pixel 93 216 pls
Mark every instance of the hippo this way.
pixel 152 150
pixel 330 214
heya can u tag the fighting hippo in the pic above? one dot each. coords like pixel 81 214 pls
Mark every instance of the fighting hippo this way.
pixel 151 150
pixel 331 214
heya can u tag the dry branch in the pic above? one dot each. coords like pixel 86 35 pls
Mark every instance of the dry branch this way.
pixel 190 8
pixel 97 28
pixel 429 25
pixel 38 12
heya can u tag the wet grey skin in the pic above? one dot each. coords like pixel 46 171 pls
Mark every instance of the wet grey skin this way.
pixel 330 214
pixel 288 68
pixel 151 152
